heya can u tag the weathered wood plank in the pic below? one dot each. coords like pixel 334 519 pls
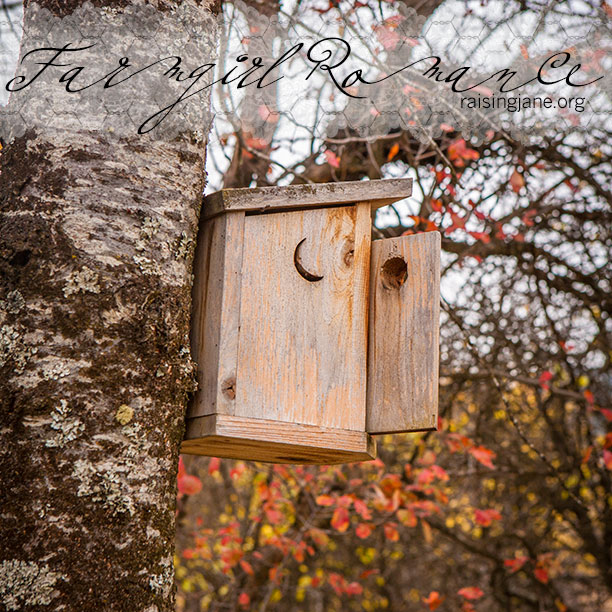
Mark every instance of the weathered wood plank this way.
pixel 303 345
pixel 265 199
pixel 273 441
pixel 403 334
pixel 215 313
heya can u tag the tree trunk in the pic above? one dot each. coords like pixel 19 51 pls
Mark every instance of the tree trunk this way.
pixel 97 230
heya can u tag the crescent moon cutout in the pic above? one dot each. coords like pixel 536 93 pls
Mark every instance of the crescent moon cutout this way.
pixel 313 278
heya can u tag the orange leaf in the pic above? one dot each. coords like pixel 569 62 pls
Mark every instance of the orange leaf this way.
pixel 325 500
pixel 587 455
pixel 340 519
pixel 246 566
pixel 256 143
pixel 363 530
pixel 516 181
pixel 483 455
pixel 391 533
pixel 393 152
pixel 407 517
pixel 470 592
pixel 436 205
pixel 433 600
pixel 607 457
pixel 426 531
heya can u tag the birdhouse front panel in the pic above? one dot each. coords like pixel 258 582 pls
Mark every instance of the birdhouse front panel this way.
pixel 280 330
pixel 303 315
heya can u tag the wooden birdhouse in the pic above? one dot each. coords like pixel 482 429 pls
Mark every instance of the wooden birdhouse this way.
pixel 309 336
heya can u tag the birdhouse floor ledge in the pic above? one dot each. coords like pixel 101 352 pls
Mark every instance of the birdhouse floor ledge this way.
pixel 220 435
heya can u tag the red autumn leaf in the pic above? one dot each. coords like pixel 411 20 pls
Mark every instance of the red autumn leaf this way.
pixel 345 501
pixel 459 151
pixel 367 573
pixel 607 457
pixel 256 143
pixel 608 440
pixel 436 205
pixel 337 582
pixel 470 592
pixel 246 566
pixel 456 442
pixel 340 519
pixel 237 471
pixel 458 222
pixel 364 530
pixel 391 532
pixel 588 396
pixel 482 236
pixel 362 510
pixel 273 514
pixel 486 517
pixel 213 465
pixel 325 500
pixel 189 553
pixel 244 600
pixel 541 574
pixel 426 477
pixel 527 218
pixel 514 565
pixel 433 600
pixel 445 127
pixel 483 455
pixel 188 484
pixel 332 159
pixel 393 152
pixel 607 413
pixel 517 181
pixel 544 378
pixel 353 588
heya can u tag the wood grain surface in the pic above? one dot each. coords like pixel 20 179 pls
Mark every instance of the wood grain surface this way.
pixel 303 345
pixel 261 199
pixel 403 334
pixel 273 441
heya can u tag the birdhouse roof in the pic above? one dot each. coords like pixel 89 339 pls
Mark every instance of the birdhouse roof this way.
pixel 291 197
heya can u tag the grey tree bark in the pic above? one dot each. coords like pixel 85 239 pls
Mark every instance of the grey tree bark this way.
pixel 96 239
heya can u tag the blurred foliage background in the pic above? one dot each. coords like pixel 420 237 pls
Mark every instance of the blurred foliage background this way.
pixel 508 506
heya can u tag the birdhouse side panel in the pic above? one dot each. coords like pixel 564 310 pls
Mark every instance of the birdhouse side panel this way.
pixel 403 351
pixel 303 317
pixel 215 315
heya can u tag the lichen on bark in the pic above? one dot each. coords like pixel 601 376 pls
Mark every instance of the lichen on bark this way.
pixel 86 329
